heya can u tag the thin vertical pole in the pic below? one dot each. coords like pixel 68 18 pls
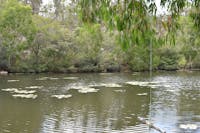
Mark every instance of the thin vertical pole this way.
pixel 150 74
pixel 150 57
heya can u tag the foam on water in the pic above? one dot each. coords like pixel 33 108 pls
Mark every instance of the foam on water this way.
pixel 62 96
pixel 84 89
pixel 70 78
pixel 87 90
pixel 34 87
pixel 42 78
pixel 24 91
pixel 142 94
pixel 109 85
pixel 120 91
pixel 13 80
pixel 188 126
pixel 19 91
pixel 153 84
pixel 28 96
pixel 9 89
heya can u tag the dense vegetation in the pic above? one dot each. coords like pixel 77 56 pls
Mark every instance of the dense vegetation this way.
pixel 54 38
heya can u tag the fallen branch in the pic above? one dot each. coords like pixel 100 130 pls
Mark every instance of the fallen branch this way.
pixel 150 125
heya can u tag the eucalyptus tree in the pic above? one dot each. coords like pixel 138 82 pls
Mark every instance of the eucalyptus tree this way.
pixel 16 27
pixel 35 4
pixel 130 17
pixel 57 5
pixel 135 20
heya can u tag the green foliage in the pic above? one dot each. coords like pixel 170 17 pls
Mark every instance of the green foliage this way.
pixel 3 61
pixel 182 62
pixel 50 45
pixel 16 27
pixel 168 59
pixel 195 15
pixel 138 58
pixel 89 39
pixel 196 62
pixel 131 18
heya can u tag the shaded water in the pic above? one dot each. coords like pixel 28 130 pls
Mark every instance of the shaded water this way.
pixel 169 100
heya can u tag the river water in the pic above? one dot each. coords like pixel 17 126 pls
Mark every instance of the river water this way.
pixel 105 102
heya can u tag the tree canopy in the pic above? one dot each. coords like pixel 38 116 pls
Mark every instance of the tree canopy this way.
pixel 16 26
pixel 135 19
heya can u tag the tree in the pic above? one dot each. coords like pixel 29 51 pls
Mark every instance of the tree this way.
pixel 48 48
pixel 131 17
pixel 16 28
pixel 35 4
pixel 188 37
pixel 134 19
pixel 89 41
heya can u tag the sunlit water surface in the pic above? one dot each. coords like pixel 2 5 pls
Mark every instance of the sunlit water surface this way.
pixel 171 101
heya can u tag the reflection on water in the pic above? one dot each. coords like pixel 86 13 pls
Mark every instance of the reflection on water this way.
pixel 178 105
pixel 174 105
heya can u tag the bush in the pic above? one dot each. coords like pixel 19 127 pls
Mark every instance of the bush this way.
pixel 168 59
pixel 3 59
pixel 138 58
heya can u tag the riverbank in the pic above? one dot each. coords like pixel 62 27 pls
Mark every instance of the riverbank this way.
pixel 93 71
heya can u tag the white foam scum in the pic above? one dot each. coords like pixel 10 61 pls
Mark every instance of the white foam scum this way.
pixel 34 87
pixel 13 80
pixel 28 96
pixel 188 126
pixel 62 96
pixel 147 84
pixel 84 89
pixel 120 91
pixel 87 90
pixel 142 94
pixel 42 78
pixel 9 89
pixel 112 85
pixel 24 91
pixel 53 78
pixel 47 78
pixel 70 78
pixel 109 85
pixel 19 91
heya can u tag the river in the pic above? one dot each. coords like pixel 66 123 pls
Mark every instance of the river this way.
pixel 100 102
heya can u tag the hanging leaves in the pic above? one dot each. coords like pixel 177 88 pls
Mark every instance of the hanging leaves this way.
pixel 133 18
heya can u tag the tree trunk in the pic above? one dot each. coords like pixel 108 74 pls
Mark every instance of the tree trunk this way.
pixel 36 6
